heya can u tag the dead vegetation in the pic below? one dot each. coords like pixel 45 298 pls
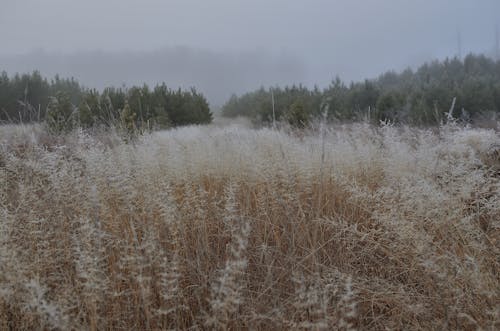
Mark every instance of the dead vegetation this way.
pixel 231 228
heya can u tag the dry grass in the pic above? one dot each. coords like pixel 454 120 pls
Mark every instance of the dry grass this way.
pixel 230 228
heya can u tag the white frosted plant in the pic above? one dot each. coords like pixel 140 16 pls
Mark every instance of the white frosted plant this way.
pixel 49 312
pixel 10 270
pixel 171 299
pixel 324 301
pixel 311 304
pixel 347 306
pixel 227 290
pixel 90 265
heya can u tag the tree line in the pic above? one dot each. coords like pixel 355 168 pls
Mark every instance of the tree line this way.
pixel 470 87
pixel 65 104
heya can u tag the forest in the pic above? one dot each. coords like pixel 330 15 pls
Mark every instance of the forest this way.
pixel 470 88
pixel 418 97
pixel 65 104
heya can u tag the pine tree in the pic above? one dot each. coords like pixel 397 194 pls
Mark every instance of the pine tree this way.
pixel 59 116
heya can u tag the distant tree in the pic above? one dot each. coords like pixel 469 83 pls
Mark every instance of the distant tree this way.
pixel 230 108
pixel 335 100
pixel 421 97
pixel 5 97
pixel 60 113
pixel 197 106
pixel 137 99
pixel 297 115
pixel 89 110
pixel 85 117
pixel 161 119
pixel 188 108
pixel 477 95
pixel 388 105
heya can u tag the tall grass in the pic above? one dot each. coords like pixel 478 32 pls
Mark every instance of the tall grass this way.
pixel 354 227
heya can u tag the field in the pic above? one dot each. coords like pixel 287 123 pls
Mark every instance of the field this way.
pixel 347 227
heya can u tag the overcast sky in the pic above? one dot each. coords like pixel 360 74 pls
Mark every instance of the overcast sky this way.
pixel 316 39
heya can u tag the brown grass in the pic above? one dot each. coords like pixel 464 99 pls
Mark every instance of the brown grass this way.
pixel 230 228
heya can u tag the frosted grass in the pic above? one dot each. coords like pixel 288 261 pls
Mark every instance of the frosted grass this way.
pixel 346 227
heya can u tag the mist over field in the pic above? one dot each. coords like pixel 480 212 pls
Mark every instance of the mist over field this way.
pixel 224 47
pixel 215 74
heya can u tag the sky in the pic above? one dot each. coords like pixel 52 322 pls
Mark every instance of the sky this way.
pixel 226 46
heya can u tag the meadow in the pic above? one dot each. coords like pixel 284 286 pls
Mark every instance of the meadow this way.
pixel 347 227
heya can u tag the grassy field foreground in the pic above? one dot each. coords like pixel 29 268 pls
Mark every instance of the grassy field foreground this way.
pixel 354 227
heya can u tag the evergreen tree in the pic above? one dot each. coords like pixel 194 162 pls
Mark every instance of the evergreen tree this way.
pixel 60 113
pixel 297 115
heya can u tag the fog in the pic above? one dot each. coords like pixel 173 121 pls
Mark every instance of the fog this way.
pixel 226 46
pixel 217 75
